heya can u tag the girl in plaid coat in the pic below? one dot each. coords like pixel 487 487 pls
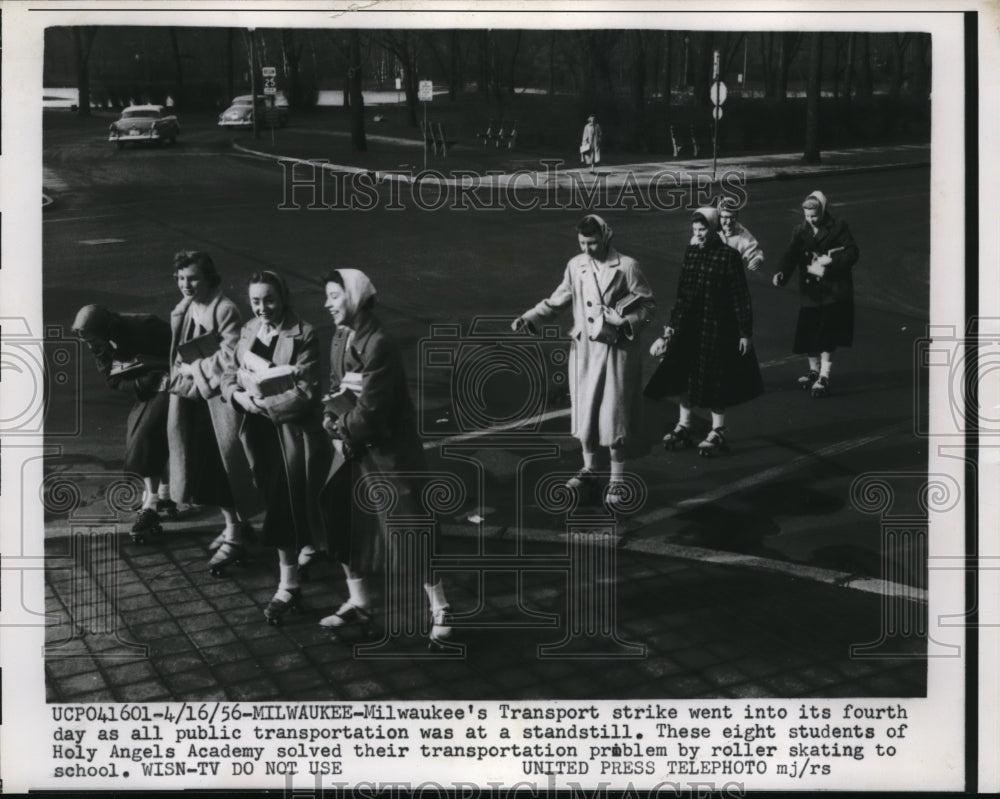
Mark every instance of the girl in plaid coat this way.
pixel 708 360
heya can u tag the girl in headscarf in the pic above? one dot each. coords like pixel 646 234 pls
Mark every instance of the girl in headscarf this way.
pixel 132 352
pixel 377 433
pixel 707 357
pixel 605 364
pixel 281 428
pixel 823 250
pixel 590 144
pixel 208 465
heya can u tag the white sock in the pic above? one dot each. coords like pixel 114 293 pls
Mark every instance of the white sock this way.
pixel 684 419
pixel 435 593
pixel 718 420
pixel 289 576
pixel 813 363
pixel 827 364
pixel 588 460
pixel 357 591
pixel 148 501
pixel 163 492
pixel 617 471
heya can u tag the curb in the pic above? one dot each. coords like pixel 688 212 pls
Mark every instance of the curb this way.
pixel 381 176
pixel 46 201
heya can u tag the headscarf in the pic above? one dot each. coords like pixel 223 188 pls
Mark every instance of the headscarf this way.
pixel 821 199
pixel 606 232
pixel 358 290
pixel 710 216
pixel 93 321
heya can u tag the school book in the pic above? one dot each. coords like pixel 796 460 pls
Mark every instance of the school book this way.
pixel 198 348
pixel 263 379
pixel 628 303
pixel 140 364
pixel 341 402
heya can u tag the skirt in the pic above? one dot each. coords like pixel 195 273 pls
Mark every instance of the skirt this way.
pixel 823 328
pixel 146 449
pixel 268 465
pixel 207 481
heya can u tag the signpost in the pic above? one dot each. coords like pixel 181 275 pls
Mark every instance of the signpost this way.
pixel 270 92
pixel 425 93
pixel 718 95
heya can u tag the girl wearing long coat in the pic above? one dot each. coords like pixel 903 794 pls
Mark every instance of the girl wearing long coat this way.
pixel 605 369
pixel 590 143
pixel 823 250
pixel 208 465
pixel 708 360
pixel 378 435
pixel 283 435
pixel 125 337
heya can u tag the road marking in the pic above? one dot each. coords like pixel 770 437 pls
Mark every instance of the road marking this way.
pixel 50 180
pixel 96 242
pixel 473 434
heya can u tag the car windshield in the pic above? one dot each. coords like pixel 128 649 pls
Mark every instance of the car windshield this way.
pixel 140 113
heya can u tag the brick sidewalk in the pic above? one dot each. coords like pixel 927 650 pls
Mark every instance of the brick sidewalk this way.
pixel 684 629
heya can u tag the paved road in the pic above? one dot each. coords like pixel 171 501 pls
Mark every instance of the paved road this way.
pixel 784 492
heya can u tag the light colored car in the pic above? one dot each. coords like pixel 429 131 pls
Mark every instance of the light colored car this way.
pixel 239 113
pixel 144 123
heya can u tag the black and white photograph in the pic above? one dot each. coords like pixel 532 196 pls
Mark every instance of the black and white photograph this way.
pixel 575 397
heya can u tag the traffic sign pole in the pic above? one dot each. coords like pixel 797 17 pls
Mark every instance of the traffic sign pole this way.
pixel 717 93
pixel 425 94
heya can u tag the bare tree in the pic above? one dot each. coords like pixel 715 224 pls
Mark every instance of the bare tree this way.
pixel 813 83
pixel 358 140
pixel 403 45
pixel 83 41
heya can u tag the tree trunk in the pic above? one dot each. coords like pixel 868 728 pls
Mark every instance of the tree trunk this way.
pixel 898 46
pixel 920 85
pixel 637 76
pixel 291 57
pixel 230 65
pixel 83 39
pixel 178 64
pixel 865 79
pixel 552 63
pixel 483 86
pixel 455 62
pixel 358 141
pixel 849 76
pixel 813 85
pixel 511 74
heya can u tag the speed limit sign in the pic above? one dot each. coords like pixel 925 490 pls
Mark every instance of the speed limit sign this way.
pixel 269 74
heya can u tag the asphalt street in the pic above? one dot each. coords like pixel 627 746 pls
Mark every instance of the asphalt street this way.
pixel 784 492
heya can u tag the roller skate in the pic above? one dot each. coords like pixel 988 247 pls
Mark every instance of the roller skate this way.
pixel 806 382
pixel 147 525
pixel 820 388
pixel 583 484
pixel 714 442
pixel 228 554
pixel 615 495
pixel 680 436
pixel 348 618
pixel 167 507
pixel 283 602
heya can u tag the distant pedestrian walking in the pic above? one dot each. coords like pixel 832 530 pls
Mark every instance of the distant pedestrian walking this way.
pixel 734 234
pixel 708 360
pixel 590 144
pixel 612 303
pixel 823 250
pixel 132 353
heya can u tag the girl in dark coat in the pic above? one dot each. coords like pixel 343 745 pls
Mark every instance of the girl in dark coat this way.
pixel 282 432
pixel 824 252
pixel 132 352
pixel 708 359
pixel 377 435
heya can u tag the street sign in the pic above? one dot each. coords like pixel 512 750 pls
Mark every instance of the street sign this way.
pixel 717 112
pixel 715 65
pixel 399 84
pixel 269 72
pixel 425 91
pixel 718 93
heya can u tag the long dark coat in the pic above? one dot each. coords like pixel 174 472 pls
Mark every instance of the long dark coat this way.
pixel 710 315
pixel 185 429
pixel 383 437
pixel 294 420
pixel 826 314
pixel 133 335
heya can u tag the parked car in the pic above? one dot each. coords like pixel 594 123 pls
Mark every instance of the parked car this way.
pixel 239 113
pixel 144 123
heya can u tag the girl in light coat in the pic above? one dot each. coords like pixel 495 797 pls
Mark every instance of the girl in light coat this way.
pixel 282 432
pixel 208 465
pixel 605 364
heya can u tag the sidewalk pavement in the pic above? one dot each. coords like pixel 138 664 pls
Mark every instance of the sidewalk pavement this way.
pixel 146 622
pixel 775 166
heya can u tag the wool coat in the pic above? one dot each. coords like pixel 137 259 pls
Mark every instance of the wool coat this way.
pixel 590 144
pixel 187 447
pixel 131 336
pixel 383 438
pixel 837 284
pixel 295 419
pixel 710 315
pixel 605 379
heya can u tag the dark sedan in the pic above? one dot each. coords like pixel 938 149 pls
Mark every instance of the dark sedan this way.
pixel 144 123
